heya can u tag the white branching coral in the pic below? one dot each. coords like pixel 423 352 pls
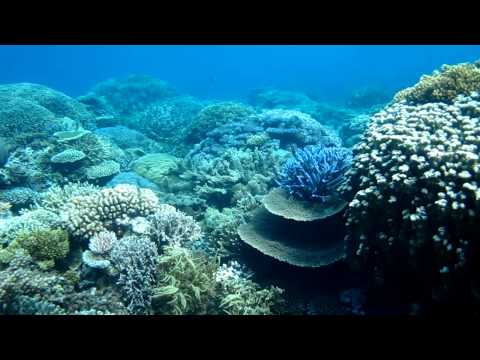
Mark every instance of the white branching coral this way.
pixel 106 209
pixel 416 172
pixel 168 225
pixel 102 242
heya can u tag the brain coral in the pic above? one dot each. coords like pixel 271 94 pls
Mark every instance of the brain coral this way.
pixel 416 199
pixel 443 85
pixel 102 210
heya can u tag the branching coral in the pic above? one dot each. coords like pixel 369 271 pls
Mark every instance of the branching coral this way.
pixel 443 85
pixel 235 171
pixel 187 283
pixel 102 242
pixel 221 229
pixel 170 226
pixel 315 172
pixel 135 258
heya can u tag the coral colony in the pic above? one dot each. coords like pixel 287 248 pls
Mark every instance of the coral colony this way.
pixel 135 199
pixel 314 173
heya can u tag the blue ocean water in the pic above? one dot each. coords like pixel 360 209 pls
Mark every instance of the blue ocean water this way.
pixel 225 72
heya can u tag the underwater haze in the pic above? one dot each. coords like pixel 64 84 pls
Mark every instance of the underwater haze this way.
pixel 239 180
pixel 231 71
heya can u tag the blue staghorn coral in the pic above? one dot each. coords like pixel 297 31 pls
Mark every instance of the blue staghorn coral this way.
pixel 315 172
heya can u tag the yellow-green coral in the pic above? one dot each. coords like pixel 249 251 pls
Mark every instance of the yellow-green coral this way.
pixel 187 284
pixel 45 245
pixel 193 283
pixel 443 85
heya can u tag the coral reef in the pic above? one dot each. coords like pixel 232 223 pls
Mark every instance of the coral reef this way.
pixel 245 297
pixel 35 109
pixel 56 197
pixel 352 130
pixel 223 179
pixel 25 289
pixel 18 197
pixel 295 127
pixel 325 113
pixel 192 283
pixel 25 168
pixel 415 207
pixel 279 202
pixel 443 85
pixel 167 121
